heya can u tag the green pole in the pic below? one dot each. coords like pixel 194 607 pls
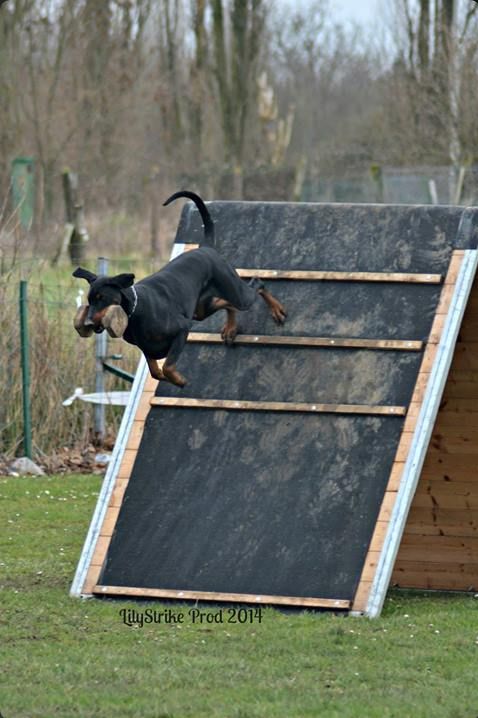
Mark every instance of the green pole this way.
pixel 27 421
pixel 118 372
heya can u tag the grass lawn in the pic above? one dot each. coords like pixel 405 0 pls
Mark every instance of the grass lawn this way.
pixel 67 657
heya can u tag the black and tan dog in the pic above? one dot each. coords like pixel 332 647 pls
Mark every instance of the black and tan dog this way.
pixel 157 312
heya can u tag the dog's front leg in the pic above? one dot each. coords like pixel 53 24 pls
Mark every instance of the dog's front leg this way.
pixel 169 367
pixel 154 369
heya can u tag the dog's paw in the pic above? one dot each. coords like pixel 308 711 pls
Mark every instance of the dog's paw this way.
pixel 174 377
pixel 279 313
pixel 228 334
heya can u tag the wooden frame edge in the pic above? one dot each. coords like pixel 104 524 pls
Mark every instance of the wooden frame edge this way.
pixel 119 486
pixel 257 599
pixel 377 543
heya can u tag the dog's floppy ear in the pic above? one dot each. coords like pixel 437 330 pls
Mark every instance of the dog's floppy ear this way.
pixel 123 280
pixel 84 274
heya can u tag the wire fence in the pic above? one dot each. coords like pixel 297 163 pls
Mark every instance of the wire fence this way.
pixel 392 185
pixel 60 361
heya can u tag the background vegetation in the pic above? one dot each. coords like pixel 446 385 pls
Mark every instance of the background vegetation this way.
pixel 59 362
pixel 233 98
pixel 230 96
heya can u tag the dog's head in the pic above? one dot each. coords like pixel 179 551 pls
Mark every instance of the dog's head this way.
pixel 104 293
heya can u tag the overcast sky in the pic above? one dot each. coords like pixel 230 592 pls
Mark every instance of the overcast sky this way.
pixel 360 11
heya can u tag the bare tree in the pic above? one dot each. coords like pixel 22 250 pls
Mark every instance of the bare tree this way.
pixel 194 90
pixel 431 81
pixel 48 30
pixel 197 74
pixel 236 73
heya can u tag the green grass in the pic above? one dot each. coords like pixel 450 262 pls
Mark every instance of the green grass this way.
pixel 66 657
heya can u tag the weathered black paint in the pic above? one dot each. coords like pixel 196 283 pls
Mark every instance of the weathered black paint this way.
pixel 331 376
pixel 336 237
pixel 252 502
pixel 341 309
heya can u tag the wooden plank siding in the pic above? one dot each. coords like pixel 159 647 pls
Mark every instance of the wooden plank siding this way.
pixel 439 549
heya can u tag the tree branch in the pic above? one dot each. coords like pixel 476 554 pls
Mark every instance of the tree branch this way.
pixel 472 11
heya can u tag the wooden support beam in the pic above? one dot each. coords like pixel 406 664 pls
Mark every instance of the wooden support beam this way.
pixel 403 450
pixel 339 604
pixel 309 275
pixel 334 342
pixel 191 403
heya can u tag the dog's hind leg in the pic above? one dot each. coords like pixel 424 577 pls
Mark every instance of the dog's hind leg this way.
pixel 211 305
pixel 229 330
pixel 241 295
pixel 276 309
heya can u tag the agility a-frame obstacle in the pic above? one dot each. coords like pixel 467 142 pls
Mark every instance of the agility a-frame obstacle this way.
pixel 309 465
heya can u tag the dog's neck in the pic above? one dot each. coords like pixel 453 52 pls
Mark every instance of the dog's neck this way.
pixel 130 297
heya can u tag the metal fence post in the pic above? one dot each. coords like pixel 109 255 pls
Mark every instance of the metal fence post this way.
pixel 101 345
pixel 25 359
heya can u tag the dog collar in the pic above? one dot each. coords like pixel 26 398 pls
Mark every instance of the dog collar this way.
pixel 135 303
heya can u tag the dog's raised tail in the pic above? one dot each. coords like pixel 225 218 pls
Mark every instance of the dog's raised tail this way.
pixel 203 211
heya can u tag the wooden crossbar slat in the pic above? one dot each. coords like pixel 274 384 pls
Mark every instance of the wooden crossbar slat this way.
pixel 401 277
pixel 336 276
pixel 342 343
pixel 189 402
pixel 340 604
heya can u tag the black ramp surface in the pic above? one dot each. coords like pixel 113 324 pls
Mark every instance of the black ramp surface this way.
pixel 252 502
pixel 284 503
pixel 330 376
pixel 334 237
pixel 341 309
